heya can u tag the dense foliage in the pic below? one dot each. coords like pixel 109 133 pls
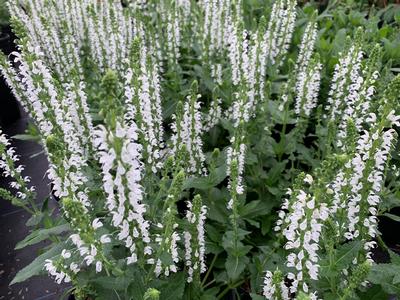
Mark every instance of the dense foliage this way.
pixel 206 148
pixel 4 16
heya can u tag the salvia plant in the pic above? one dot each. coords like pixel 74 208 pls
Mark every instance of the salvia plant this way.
pixel 206 149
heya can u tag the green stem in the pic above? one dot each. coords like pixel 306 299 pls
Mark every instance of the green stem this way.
pixel 283 132
pixel 230 287
pixel 209 270
pixel 382 243
pixel 208 284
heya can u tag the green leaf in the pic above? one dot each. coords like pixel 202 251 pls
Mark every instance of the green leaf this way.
pixel 34 220
pixel 228 240
pixel 217 201
pixel 26 137
pixel 136 289
pixel 105 294
pixel 112 283
pixel 386 276
pixel 173 288
pixel 235 265
pixel 41 235
pixel 166 258
pixel 391 216
pixel 36 266
pixel 256 297
pixel 255 208
pixel 343 258
pixel 205 183
pixel 374 293
pixel 275 173
pixel 346 253
pixel 210 294
pixel 394 257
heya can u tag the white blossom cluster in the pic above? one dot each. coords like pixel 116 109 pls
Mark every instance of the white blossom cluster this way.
pixel 61 28
pixel 121 170
pixel 300 221
pixel 244 58
pixel 307 89
pixel 61 115
pixel 358 104
pixel 143 100
pixel 185 8
pixel 49 35
pixel 174 34
pixel 88 247
pixel 235 157
pixel 9 168
pixel 89 252
pixel 278 35
pixel 306 47
pixel 175 17
pixel 308 74
pixel 234 51
pixel 216 73
pixel 341 80
pixel 214 114
pixel 168 243
pixel 59 276
pixel 351 91
pixel 195 239
pixel 214 34
pixel 173 250
pixel 188 130
pixel 243 65
pixel 248 70
pixel 249 54
pixel 356 188
pixel 274 288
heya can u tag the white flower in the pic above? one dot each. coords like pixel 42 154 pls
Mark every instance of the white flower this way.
pixel 65 254
pixel 104 239
pixel 74 267
pixel 308 179
pixel 269 288
pixel 89 259
pixel 96 224
pixel 394 119
pixel 99 266
pixel 60 276
pixel 132 259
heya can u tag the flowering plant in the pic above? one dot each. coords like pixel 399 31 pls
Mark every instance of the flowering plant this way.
pixel 174 130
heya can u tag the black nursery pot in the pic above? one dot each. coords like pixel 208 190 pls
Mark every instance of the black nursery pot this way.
pixel 390 229
pixel 9 111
